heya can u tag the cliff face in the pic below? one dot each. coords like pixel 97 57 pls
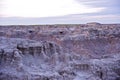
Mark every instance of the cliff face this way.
pixel 60 52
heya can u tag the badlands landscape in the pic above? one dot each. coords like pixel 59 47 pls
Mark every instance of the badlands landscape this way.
pixel 60 52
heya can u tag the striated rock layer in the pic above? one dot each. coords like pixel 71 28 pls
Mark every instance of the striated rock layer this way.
pixel 60 52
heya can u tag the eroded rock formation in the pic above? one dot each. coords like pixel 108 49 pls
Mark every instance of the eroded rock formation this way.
pixel 60 52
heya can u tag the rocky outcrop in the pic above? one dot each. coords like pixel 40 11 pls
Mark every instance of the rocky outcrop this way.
pixel 32 60
pixel 93 23
pixel 84 37
pixel 68 52
pixel 27 58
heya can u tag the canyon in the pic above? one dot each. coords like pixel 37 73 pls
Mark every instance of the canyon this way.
pixel 60 52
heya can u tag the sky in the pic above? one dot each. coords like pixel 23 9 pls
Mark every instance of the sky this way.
pixel 33 12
